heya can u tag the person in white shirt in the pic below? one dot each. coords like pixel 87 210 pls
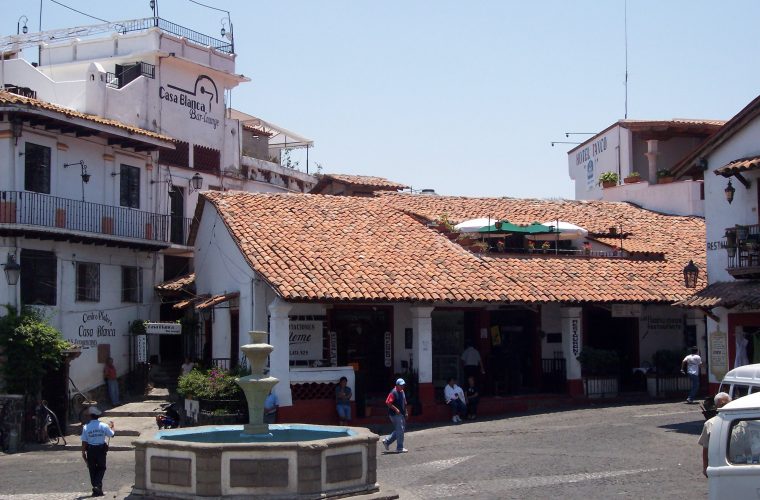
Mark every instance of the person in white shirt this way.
pixel 472 362
pixel 187 366
pixel 94 449
pixel 455 399
pixel 721 399
pixel 690 366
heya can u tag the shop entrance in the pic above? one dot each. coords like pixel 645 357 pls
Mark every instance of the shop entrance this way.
pixel 362 335
pixel 451 330
pixel 515 352
pixel 621 335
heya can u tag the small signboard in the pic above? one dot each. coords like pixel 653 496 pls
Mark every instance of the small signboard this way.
pixel 333 348
pixel 142 348
pixel 163 328
pixel 388 350
pixel 626 310
pixel 306 340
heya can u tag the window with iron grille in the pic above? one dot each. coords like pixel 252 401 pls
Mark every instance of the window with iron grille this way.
pixel 131 284
pixel 88 282
pixel 178 157
pixel 130 186
pixel 206 159
pixel 39 277
pixel 36 168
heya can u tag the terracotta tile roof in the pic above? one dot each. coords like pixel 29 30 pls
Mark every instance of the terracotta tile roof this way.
pixel 9 99
pixel 726 294
pixel 739 166
pixel 216 299
pixel 375 183
pixel 335 248
pixel 177 284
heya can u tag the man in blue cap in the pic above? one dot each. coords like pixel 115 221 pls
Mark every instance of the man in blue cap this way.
pixel 94 448
pixel 396 402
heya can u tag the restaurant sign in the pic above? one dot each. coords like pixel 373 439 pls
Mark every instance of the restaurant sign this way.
pixel 306 340
pixel 163 328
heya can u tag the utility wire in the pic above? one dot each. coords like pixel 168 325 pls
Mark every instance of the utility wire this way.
pixel 209 6
pixel 78 11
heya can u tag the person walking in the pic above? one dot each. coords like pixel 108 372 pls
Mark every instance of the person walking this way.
pixel 343 401
pixel 396 403
pixel 95 449
pixel 112 382
pixel 690 366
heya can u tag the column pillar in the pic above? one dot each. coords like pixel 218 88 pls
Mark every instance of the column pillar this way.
pixel 422 328
pixel 279 338
pixel 651 155
pixel 572 342
pixel 259 306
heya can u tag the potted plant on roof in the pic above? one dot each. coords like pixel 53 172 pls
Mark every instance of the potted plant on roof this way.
pixel 600 369
pixel 608 179
pixel 632 178
pixel 545 246
pixel 664 176
pixel 479 247
pixel 531 246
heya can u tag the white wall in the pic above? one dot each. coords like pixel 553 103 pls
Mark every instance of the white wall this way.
pixel 587 161
pixel 660 327
pixel 676 198
pixel 551 322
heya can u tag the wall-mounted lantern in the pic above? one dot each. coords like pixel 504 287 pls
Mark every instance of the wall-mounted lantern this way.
pixel 730 190
pixel 12 270
pixel 690 275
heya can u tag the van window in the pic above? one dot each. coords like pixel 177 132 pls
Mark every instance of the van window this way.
pixel 740 391
pixel 744 443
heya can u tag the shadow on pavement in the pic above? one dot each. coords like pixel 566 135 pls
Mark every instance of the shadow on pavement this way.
pixel 694 427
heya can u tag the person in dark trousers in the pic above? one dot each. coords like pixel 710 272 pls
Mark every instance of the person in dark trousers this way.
pixel 396 403
pixel 473 396
pixel 94 449
pixel 343 401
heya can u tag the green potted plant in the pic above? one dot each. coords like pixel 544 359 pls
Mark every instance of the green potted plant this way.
pixel 664 176
pixel 479 247
pixel 632 178
pixel 608 179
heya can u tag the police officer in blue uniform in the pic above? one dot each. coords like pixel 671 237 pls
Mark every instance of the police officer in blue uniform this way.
pixel 94 449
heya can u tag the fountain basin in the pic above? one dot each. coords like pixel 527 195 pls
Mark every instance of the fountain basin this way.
pixel 291 461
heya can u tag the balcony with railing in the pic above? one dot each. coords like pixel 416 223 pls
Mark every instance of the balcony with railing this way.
pixel 743 248
pixel 51 217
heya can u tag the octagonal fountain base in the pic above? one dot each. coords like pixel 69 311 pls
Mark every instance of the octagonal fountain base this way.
pixel 292 461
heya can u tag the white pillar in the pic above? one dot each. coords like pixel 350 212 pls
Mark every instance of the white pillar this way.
pixel 572 338
pixel 422 326
pixel 279 338
pixel 259 305
pixel 651 155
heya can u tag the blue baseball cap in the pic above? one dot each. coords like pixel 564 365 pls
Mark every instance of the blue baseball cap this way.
pixel 400 381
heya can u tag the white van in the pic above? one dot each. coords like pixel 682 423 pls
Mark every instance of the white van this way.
pixel 734 453
pixel 741 381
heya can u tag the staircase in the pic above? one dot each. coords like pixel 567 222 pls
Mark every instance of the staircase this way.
pixel 165 376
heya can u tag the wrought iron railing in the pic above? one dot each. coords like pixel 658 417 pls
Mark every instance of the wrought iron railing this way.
pixel 553 375
pixel 176 29
pixel 742 244
pixel 179 229
pixel 128 73
pixel 41 210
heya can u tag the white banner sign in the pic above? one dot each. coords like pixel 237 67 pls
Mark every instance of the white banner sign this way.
pixel 333 349
pixel 163 328
pixel 305 340
pixel 142 348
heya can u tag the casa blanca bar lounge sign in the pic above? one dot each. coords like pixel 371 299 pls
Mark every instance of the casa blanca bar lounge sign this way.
pixel 306 340
pixel 198 101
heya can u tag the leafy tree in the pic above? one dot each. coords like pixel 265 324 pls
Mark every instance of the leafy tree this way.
pixel 32 348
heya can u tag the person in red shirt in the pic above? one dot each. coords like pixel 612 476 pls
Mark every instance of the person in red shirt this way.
pixel 396 403
pixel 109 374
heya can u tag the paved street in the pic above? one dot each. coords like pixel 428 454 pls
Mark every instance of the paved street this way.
pixel 631 451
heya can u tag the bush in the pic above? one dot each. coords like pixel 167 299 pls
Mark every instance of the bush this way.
pixel 213 384
pixel 599 361
pixel 32 347
pixel 664 172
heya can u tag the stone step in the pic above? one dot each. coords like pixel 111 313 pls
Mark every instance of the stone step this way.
pixel 149 408
pixel 158 394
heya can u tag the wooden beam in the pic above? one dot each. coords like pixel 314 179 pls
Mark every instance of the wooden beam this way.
pixel 709 314
pixel 743 180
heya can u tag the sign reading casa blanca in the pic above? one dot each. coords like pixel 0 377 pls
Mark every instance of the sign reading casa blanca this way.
pixel 95 324
pixel 198 101
pixel 305 340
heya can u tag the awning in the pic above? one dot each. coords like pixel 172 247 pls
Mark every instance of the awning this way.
pixel 725 294
pixel 561 230
pixel 739 166
pixel 474 225
pixel 176 284
pixel 183 304
pixel 216 300
pixel 504 226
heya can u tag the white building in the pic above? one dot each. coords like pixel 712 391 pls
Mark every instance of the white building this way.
pixel 104 145
pixel 640 153
pixel 729 162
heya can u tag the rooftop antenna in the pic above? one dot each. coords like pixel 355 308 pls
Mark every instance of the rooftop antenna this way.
pixel 625 18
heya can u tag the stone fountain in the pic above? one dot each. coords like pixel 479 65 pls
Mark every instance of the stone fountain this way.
pixel 256 386
pixel 257 460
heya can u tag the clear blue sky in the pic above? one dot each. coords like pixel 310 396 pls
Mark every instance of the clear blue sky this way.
pixel 464 97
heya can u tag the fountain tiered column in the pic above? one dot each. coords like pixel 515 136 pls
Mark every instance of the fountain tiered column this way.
pixel 256 386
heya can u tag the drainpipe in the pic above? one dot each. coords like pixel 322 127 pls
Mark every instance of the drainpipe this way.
pixel 651 155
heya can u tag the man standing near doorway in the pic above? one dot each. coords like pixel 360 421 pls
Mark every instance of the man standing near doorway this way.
pixel 473 364
pixel 396 403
